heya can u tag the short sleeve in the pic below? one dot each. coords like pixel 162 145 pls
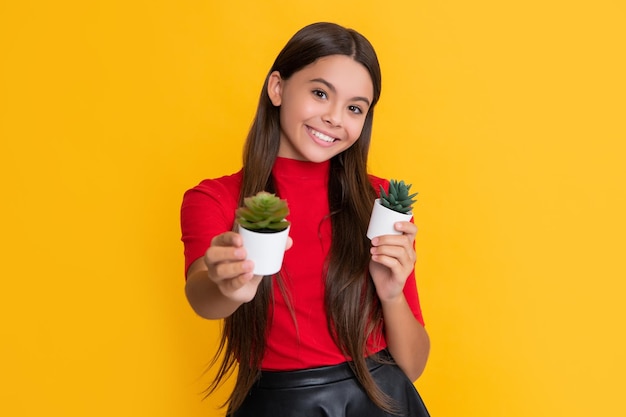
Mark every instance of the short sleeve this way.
pixel 412 297
pixel 207 210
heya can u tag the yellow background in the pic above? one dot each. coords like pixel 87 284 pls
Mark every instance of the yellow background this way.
pixel 508 117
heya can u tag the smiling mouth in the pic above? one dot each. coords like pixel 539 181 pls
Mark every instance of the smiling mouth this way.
pixel 322 136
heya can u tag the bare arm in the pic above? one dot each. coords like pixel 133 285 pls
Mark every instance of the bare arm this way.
pixel 222 280
pixel 393 258
pixel 407 339
pixel 218 283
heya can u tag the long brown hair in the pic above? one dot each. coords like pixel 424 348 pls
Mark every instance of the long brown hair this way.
pixel 352 307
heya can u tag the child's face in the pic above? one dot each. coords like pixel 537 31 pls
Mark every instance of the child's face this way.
pixel 322 107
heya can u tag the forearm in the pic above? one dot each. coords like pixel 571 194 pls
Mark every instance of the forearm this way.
pixel 407 340
pixel 205 297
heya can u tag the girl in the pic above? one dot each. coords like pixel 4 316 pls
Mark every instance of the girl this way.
pixel 338 332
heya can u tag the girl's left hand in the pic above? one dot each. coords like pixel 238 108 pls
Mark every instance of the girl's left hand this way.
pixel 393 259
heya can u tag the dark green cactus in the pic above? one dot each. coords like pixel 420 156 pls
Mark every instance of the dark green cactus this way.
pixel 398 198
pixel 263 212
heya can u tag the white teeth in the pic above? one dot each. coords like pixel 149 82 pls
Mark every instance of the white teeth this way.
pixel 322 136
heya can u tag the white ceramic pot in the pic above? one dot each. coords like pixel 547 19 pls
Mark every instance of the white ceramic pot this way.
pixel 383 219
pixel 266 250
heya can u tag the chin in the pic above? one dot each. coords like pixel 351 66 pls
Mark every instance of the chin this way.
pixel 323 156
pixel 319 158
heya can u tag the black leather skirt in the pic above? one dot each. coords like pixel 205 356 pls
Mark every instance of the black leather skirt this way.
pixel 331 391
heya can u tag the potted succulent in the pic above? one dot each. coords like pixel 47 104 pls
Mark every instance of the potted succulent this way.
pixel 264 230
pixel 392 207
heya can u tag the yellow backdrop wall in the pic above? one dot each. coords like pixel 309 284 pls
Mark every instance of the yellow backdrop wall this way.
pixel 508 117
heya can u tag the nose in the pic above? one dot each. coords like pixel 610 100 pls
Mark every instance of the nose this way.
pixel 332 117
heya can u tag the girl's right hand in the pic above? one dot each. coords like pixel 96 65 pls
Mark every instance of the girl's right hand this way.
pixel 229 270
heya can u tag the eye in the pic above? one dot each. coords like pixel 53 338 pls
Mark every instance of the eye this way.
pixel 355 109
pixel 320 93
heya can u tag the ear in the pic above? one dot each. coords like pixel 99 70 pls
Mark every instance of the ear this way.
pixel 275 88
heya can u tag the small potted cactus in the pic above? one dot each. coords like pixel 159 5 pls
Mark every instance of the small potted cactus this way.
pixel 264 230
pixel 392 207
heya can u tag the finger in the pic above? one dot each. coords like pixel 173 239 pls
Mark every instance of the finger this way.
pixel 218 254
pixel 229 270
pixel 403 253
pixel 238 282
pixel 289 243
pixel 396 252
pixel 389 261
pixel 404 240
pixel 227 239
pixel 407 228
pixel 242 288
pixel 223 271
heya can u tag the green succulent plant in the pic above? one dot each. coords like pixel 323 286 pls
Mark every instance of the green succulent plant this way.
pixel 263 212
pixel 398 198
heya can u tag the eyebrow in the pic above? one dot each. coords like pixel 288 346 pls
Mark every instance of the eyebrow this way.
pixel 332 88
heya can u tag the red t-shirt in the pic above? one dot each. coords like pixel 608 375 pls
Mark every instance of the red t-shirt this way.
pixel 209 209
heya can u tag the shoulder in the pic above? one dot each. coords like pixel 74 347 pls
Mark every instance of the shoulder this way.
pixel 226 187
pixel 207 210
pixel 378 181
pixel 217 193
